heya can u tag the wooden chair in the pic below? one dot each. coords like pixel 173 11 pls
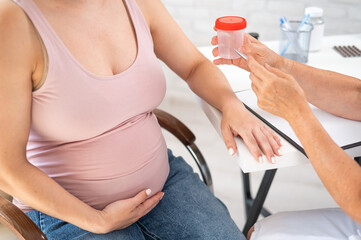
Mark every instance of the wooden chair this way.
pixel 25 229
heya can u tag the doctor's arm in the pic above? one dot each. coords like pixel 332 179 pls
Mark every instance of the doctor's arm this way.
pixel 330 91
pixel 333 92
pixel 280 94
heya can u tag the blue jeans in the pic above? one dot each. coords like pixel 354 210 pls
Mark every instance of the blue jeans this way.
pixel 188 210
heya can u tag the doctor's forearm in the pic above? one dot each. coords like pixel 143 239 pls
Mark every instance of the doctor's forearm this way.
pixel 339 172
pixel 330 91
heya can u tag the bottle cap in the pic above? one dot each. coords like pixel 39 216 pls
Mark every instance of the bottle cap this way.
pixel 231 23
pixel 314 11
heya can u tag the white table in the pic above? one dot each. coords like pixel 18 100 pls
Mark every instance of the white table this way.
pixel 326 58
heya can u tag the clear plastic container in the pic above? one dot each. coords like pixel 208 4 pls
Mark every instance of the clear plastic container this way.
pixel 316 19
pixel 230 32
pixel 294 44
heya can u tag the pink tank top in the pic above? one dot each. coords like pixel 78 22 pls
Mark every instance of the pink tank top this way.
pixel 96 135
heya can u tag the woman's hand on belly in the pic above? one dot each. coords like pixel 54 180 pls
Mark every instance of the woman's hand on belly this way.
pixel 123 213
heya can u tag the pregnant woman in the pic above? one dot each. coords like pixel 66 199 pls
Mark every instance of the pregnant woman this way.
pixel 80 149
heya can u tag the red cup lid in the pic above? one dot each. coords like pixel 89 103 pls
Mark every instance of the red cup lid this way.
pixel 231 23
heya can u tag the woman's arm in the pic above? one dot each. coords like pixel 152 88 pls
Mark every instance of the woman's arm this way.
pixel 19 48
pixel 18 177
pixel 208 82
pixel 280 94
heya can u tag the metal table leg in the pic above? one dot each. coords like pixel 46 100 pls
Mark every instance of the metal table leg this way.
pixel 257 204
pixel 247 192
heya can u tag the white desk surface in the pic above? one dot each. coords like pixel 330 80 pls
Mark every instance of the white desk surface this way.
pixel 326 58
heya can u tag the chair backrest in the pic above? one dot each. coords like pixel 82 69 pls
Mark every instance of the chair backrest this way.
pixel 18 222
pixel 185 135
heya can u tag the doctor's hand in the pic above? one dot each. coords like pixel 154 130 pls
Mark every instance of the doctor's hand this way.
pixel 237 120
pixel 277 92
pixel 253 48
pixel 123 213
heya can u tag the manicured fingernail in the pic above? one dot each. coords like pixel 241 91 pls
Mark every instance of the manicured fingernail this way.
pixel 231 151
pixel 260 159
pixel 273 160
pixel 161 197
pixel 148 192
pixel 281 142
pixel 280 152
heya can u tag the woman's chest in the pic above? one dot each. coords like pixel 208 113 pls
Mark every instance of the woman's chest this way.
pixel 102 40
pixel 72 107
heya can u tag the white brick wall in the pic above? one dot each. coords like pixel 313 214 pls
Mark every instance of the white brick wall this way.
pixel 196 17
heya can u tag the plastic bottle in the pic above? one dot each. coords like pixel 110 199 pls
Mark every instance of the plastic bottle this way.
pixel 316 18
pixel 230 32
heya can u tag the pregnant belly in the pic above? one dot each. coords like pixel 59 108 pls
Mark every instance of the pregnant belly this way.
pixel 115 165
pixel 98 193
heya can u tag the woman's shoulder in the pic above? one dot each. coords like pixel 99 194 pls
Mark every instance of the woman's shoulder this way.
pixel 13 22
pixel 17 34
pixel 11 15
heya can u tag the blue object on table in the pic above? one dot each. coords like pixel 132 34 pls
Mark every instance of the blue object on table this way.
pixel 285 23
pixel 291 39
pixel 304 20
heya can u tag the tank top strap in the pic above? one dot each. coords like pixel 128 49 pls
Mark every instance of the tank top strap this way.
pixel 139 22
